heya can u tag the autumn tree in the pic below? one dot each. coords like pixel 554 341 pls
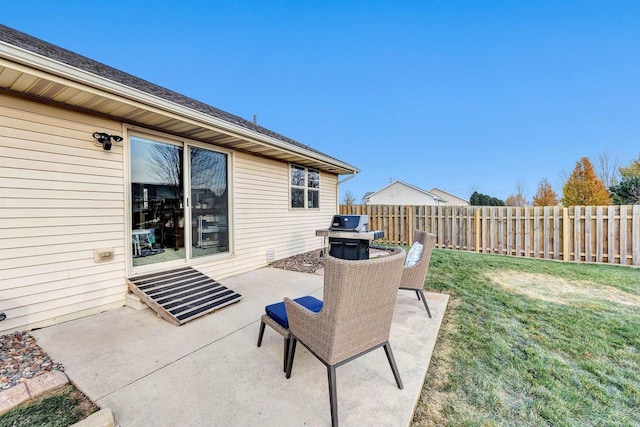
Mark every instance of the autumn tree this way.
pixel 631 170
pixel 584 188
pixel 515 200
pixel 545 196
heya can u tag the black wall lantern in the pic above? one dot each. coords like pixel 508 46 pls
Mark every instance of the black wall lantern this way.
pixel 105 139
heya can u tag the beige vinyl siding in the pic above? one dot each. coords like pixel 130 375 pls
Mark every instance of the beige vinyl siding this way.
pixel 61 198
pixel 263 220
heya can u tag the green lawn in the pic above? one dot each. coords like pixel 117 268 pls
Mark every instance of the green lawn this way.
pixel 532 342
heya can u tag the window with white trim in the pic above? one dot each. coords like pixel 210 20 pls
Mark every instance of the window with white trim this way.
pixel 305 188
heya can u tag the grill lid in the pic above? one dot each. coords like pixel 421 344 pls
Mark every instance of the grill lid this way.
pixel 356 223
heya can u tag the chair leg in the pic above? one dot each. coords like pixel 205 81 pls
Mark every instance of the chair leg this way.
pixel 287 343
pixel 261 333
pixel 392 362
pixel 292 353
pixel 424 300
pixel 418 295
pixel 333 395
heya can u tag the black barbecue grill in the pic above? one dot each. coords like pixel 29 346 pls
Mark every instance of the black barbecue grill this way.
pixel 349 236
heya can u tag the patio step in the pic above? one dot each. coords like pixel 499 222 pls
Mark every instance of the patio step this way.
pixel 182 294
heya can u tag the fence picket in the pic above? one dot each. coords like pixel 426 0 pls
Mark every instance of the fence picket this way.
pixel 623 234
pixel 536 232
pixel 556 232
pixel 545 232
pixel 599 237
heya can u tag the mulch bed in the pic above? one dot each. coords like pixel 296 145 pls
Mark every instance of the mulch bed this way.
pixel 308 262
pixel 313 261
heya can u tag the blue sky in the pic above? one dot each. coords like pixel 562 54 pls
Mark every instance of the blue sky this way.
pixel 460 95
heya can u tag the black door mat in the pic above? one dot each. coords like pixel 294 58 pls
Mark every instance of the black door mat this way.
pixel 182 294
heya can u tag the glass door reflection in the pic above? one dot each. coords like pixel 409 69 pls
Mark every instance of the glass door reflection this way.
pixel 209 202
pixel 157 216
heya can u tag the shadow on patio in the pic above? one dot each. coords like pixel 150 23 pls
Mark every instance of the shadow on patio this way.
pixel 210 372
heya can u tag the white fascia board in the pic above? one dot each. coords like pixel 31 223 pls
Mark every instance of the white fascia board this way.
pixel 50 66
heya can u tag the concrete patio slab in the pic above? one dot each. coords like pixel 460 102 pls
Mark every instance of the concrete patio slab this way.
pixel 210 372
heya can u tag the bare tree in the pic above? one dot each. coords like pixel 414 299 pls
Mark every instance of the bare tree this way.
pixel 608 168
pixel 348 199
pixel 517 199
pixel 564 176
pixel 520 190
pixel 208 170
pixel 165 162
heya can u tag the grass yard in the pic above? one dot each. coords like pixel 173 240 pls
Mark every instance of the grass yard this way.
pixel 60 407
pixel 533 342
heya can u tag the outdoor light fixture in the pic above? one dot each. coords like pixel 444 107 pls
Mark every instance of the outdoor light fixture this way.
pixel 105 139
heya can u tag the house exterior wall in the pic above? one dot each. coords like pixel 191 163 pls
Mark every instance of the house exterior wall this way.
pixel 62 197
pixel 399 194
pixel 262 218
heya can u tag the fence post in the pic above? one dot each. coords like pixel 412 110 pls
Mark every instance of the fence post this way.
pixel 478 239
pixel 578 239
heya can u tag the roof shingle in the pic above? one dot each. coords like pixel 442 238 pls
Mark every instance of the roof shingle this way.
pixel 56 53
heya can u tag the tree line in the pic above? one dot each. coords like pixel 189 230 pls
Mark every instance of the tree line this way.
pixel 610 184
pixel 584 187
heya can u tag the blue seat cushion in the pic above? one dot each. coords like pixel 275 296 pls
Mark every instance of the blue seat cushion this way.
pixel 278 313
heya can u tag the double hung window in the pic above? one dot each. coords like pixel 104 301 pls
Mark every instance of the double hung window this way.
pixel 305 188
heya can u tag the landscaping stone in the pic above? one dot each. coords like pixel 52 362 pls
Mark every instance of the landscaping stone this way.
pixel 313 261
pixel 21 358
pixel 25 370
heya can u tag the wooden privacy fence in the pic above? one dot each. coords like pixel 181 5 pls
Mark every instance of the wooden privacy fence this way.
pixel 605 234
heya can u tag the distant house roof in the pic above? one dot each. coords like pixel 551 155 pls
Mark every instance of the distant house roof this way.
pixel 135 91
pixel 449 196
pixel 399 192
pixel 373 193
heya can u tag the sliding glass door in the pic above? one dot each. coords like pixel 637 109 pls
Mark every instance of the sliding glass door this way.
pixel 209 202
pixel 166 188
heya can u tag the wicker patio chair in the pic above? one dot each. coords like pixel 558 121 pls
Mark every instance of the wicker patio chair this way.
pixel 413 276
pixel 359 297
